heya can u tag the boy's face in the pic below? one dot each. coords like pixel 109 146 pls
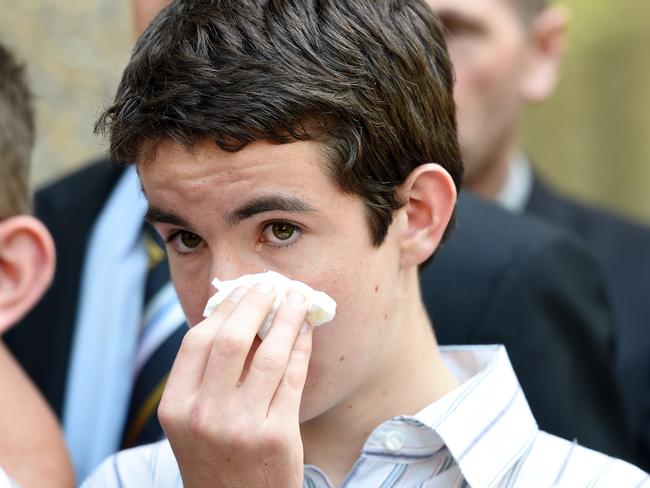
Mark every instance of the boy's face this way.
pixel 275 207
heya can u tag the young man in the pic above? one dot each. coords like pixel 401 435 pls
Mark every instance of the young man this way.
pixel 507 55
pixel 316 139
pixel 31 447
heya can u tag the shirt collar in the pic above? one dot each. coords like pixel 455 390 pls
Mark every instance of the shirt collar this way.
pixel 516 190
pixel 485 423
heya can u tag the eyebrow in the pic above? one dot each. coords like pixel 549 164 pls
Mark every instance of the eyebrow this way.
pixel 267 204
pixel 155 214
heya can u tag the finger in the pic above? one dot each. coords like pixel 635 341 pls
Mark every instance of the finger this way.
pixel 286 402
pixel 187 371
pixel 270 361
pixel 234 339
pixel 228 305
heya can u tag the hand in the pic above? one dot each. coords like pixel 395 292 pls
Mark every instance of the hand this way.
pixel 231 405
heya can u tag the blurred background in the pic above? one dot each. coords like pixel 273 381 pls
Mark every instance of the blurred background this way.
pixel 592 139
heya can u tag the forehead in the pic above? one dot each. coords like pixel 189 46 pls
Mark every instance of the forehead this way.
pixel 206 172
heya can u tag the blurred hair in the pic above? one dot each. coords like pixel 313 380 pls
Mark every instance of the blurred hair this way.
pixel 371 79
pixel 16 136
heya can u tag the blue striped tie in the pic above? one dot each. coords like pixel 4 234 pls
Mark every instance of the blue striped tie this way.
pixel 160 337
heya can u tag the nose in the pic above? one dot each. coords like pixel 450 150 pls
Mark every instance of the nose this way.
pixel 229 263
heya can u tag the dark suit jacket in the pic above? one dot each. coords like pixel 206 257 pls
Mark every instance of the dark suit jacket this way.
pixel 622 249
pixel 470 286
pixel 517 281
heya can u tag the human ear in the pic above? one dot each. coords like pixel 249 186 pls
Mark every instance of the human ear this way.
pixel 545 54
pixel 429 196
pixel 27 259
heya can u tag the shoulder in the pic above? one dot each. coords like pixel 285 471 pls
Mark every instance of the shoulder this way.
pixel 491 238
pixel 490 253
pixel 152 465
pixel 552 461
pixel 593 224
pixel 619 245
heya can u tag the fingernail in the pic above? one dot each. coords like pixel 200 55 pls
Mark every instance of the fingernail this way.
pixel 295 299
pixel 304 328
pixel 264 287
pixel 238 294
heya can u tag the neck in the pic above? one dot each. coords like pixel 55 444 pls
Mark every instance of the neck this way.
pixel 491 173
pixel 412 376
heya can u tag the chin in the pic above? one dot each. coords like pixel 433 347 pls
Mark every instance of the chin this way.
pixel 309 411
pixel 314 402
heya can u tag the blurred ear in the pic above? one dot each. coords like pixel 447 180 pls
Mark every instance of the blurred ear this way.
pixel 27 260
pixel 546 51
pixel 429 194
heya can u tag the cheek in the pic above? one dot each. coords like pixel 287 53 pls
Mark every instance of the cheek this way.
pixel 485 94
pixel 364 292
pixel 346 352
pixel 488 68
pixel 477 81
pixel 349 278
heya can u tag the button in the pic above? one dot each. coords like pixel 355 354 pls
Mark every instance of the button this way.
pixel 393 441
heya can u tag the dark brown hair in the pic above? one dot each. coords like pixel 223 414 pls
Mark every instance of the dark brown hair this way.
pixel 16 136
pixel 369 78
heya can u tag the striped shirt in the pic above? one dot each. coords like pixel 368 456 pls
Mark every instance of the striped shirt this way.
pixel 482 434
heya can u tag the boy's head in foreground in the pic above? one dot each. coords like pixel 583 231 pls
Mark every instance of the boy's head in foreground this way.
pixel 314 138
pixel 26 248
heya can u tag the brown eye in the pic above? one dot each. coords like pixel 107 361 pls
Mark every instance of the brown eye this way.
pixel 280 234
pixel 283 231
pixel 184 242
pixel 190 240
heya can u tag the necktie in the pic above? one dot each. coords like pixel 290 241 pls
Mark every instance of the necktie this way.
pixel 162 331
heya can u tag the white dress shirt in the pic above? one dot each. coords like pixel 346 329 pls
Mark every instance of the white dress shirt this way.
pixel 515 192
pixel 482 434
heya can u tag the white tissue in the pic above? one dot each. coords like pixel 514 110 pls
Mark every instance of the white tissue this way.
pixel 322 308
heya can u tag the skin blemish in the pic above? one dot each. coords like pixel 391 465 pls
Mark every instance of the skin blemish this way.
pixel 258 247
pixel 342 358
pixel 376 288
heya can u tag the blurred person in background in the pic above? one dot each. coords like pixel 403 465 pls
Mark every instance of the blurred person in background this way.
pixel 507 54
pixel 32 451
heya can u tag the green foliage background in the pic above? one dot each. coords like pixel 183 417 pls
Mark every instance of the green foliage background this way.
pixel 592 139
